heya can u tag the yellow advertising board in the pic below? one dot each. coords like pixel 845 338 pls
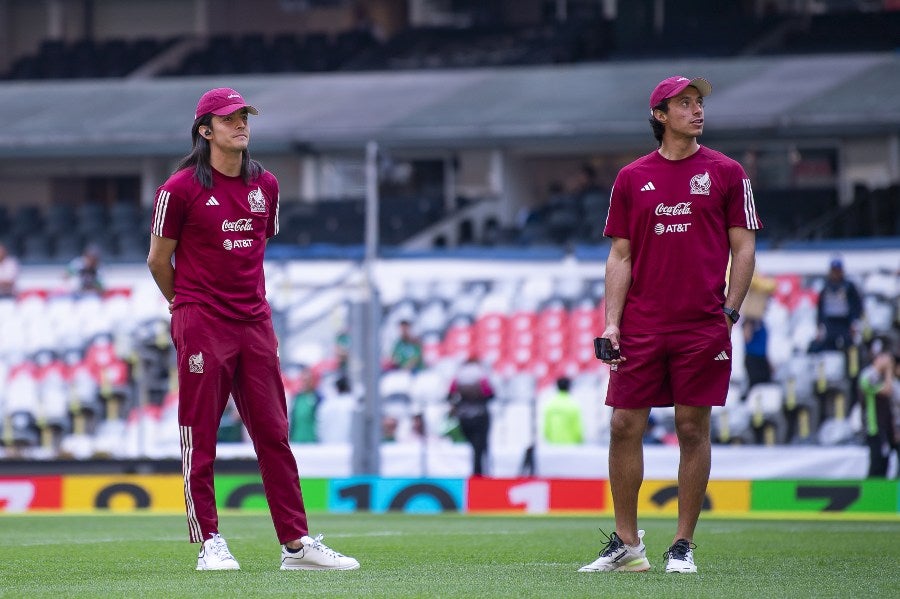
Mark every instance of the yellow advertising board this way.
pixel 124 493
pixel 661 497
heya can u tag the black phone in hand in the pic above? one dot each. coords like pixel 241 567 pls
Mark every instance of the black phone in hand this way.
pixel 603 349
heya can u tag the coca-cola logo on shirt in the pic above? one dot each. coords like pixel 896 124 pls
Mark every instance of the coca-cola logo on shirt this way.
pixel 677 210
pixel 241 224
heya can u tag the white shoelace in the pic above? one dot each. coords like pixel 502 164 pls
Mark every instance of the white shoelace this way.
pixel 318 544
pixel 219 547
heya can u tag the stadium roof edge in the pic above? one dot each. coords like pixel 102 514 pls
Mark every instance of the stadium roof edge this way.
pixel 780 96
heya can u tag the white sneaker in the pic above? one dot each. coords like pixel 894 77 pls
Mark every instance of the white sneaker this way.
pixel 214 555
pixel 619 557
pixel 315 555
pixel 680 557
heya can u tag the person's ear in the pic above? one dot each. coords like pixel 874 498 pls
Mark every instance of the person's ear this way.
pixel 205 132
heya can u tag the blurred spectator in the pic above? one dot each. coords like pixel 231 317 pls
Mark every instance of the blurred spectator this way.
pixel 562 417
pixel 389 426
pixel 9 273
pixel 839 309
pixel 756 358
pixel 303 410
pixel 335 415
pixel 881 397
pixel 231 427
pixel 86 271
pixel 407 351
pixel 469 395
pixel 342 354
pixel 587 183
pixel 406 430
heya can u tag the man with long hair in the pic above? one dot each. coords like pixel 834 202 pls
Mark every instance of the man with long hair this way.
pixel 676 217
pixel 214 215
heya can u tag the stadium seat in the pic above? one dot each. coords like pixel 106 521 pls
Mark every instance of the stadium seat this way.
pixel 512 426
pixel 429 386
pixel 521 388
pixel 433 316
pixel 878 313
pixel 22 405
pixel 766 404
pixel 882 284
pixel 334 423
pixel 831 370
pixel 731 423
pixel 37 247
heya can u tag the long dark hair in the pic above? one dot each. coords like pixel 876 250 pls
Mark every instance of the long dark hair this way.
pixel 199 157
pixel 659 128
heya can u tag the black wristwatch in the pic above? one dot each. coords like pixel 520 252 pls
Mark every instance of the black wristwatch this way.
pixel 731 313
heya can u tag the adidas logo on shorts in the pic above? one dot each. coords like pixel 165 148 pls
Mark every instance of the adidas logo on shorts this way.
pixel 721 356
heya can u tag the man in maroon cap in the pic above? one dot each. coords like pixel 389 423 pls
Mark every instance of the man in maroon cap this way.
pixel 215 215
pixel 676 217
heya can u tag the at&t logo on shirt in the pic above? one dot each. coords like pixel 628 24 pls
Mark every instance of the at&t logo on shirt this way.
pixel 660 228
pixel 230 244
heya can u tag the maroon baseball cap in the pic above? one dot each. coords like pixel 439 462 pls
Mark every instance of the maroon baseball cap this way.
pixel 221 101
pixel 672 86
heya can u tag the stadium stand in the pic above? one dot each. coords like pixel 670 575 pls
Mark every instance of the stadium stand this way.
pixel 86 59
pixel 110 355
pixel 90 375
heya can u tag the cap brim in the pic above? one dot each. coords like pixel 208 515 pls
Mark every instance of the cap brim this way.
pixel 232 107
pixel 703 86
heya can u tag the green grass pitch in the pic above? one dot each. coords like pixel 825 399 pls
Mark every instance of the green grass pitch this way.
pixel 453 555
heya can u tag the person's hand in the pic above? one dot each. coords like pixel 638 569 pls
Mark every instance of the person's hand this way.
pixel 612 333
pixel 172 305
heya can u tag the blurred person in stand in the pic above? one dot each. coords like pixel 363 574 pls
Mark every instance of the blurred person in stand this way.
pixel 406 353
pixel 756 357
pixel 469 395
pixel 342 354
pixel 755 332
pixel 880 388
pixel 86 271
pixel 9 273
pixel 838 311
pixel 214 216
pixel 304 409
pixel 677 215
pixel 562 417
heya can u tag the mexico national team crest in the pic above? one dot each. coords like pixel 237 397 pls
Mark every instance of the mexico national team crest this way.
pixel 257 200
pixel 700 184
pixel 195 363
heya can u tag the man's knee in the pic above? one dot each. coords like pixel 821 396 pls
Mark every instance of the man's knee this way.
pixel 692 428
pixel 628 425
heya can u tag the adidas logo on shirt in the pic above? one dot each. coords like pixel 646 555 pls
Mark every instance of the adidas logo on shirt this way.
pixel 648 187
pixel 721 356
pixel 212 201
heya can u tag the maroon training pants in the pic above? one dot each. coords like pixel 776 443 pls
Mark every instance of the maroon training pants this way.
pixel 217 357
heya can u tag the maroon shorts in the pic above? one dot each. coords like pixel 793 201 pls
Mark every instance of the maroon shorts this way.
pixel 663 369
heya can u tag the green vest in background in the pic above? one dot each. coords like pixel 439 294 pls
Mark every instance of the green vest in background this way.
pixel 562 421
